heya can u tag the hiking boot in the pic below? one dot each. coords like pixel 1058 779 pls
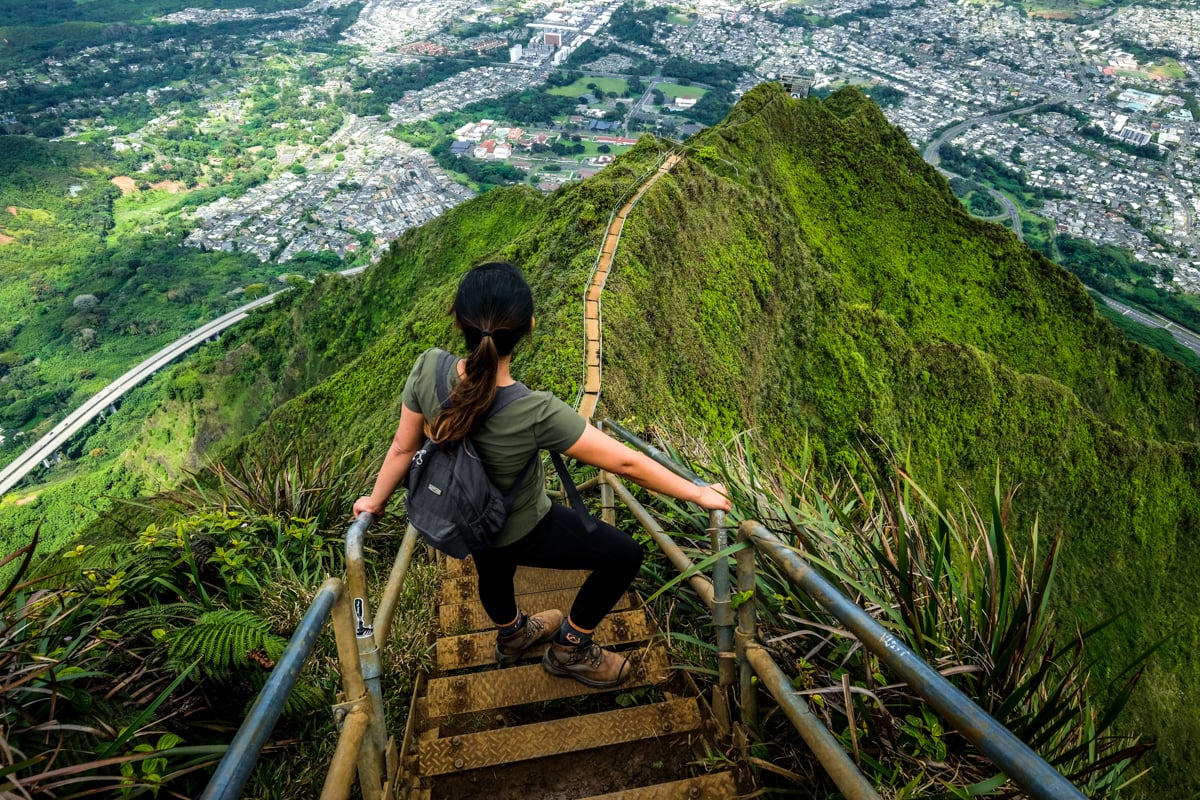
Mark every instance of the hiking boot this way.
pixel 589 664
pixel 538 629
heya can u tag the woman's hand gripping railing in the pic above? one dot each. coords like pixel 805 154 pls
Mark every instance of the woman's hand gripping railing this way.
pixel 722 603
pixel 1012 756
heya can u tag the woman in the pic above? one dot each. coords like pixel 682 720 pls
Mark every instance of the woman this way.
pixel 494 310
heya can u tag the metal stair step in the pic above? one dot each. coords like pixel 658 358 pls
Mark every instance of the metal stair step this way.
pixel 514 686
pixel 465 617
pixel 477 649
pixel 528 581
pixel 714 786
pixel 568 735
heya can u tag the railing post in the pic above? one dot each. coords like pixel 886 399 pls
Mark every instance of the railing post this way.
pixel 371 767
pixel 723 597
pixel 608 510
pixel 747 631
pixel 354 725
pixel 391 593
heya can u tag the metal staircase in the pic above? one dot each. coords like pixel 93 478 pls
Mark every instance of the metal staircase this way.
pixel 518 732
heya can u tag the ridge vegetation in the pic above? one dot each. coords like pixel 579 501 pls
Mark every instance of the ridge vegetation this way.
pixel 811 279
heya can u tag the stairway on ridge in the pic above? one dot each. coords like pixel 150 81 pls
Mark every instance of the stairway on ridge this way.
pixel 516 732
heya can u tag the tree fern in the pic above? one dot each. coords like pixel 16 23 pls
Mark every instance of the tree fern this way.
pixel 226 643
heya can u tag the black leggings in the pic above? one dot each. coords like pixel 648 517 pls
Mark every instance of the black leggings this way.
pixel 559 541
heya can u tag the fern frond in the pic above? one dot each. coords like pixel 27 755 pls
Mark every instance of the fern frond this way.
pixel 223 643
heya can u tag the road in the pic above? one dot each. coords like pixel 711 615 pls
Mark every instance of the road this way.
pixel 930 153
pixel 49 444
pixel 933 158
pixel 1185 337
pixel 1010 208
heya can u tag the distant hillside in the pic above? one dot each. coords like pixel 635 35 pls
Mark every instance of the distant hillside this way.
pixel 805 274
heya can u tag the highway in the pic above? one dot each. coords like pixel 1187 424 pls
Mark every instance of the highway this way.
pixel 1185 337
pixel 49 444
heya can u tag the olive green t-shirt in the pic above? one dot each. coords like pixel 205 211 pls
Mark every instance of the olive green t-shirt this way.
pixel 506 442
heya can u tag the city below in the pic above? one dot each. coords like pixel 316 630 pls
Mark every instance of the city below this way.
pixel 1093 108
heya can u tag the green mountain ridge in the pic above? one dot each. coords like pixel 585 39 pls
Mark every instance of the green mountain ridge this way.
pixel 804 274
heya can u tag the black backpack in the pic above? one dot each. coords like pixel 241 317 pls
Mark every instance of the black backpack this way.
pixel 451 501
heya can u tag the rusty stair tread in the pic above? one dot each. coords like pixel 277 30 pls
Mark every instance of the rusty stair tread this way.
pixel 477 649
pixel 514 686
pixel 713 786
pixel 466 617
pixel 568 735
pixel 528 581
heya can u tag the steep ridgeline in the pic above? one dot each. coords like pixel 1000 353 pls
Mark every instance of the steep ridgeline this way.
pixel 812 278
pixel 803 273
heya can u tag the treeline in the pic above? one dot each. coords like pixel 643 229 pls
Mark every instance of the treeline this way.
pixel 180 58
pixel 1148 150
pixel 1147 55
pixel 796 17
pixel 637 27
pixel 886 96
pixel 487 174
pixel 50 12
pixel 993 172
pixel 527 107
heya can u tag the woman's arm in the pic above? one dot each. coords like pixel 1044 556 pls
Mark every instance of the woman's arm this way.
pixel 602 451
pixel 410 435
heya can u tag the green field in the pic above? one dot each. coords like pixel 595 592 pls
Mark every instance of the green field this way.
pixel 674 90
pixel 580 86
pixel 141 211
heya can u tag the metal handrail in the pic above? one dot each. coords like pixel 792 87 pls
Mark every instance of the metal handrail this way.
pixel 238 762
pixel 361 717
pixel 1018 761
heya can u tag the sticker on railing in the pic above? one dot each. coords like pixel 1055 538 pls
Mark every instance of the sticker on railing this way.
pixel 361 629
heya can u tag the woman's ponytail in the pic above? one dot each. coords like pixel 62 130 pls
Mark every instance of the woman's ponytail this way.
pixel 494 308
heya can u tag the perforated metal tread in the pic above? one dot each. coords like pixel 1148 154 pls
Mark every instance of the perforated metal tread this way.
pixel 528 581
pixel 477 649
pixel 569 735
pixel 462 618
pixel 513 686
pixel 715 786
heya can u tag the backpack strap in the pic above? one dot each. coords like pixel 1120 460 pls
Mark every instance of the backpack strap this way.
pixel 588 521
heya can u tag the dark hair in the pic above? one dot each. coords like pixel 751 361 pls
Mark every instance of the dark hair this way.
pixel 494 308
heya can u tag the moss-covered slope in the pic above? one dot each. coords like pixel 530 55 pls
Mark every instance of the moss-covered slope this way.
pixel 804 272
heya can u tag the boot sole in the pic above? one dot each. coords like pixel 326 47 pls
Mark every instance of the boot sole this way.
pixel 554 668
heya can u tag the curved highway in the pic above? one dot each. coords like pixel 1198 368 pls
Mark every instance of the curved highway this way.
pixel 12 473
pixel 1185 337
pixel 49 444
